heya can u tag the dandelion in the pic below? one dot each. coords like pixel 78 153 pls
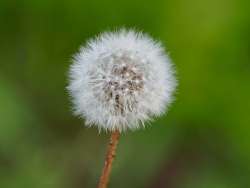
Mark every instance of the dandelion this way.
pixel 118 81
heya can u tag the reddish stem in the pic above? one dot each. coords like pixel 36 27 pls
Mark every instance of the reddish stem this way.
pixel 111 151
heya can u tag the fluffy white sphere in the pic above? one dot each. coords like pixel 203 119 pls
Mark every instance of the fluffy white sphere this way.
pixel 121 79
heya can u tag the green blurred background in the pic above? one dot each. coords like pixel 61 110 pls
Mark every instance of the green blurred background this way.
pixel 203 141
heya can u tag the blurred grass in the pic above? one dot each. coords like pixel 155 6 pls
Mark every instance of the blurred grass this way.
pixel 204 139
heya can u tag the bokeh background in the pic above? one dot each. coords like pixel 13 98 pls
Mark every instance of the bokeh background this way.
pixel 202 142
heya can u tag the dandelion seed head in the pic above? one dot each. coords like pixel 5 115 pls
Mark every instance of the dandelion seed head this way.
pixel 121 79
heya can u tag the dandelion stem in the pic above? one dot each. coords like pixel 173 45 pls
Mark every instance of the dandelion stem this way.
pixel 111 151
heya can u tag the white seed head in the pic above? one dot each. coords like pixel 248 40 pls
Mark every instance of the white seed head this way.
pixel 121 79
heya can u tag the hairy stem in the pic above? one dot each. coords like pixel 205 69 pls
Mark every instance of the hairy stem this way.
pixel 111 151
